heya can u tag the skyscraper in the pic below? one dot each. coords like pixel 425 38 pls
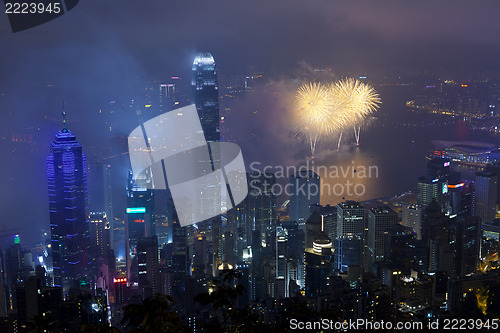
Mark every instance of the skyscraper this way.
pixel 206 95
pixel 167 97
pixel 351 228
pixel 67 182
pixel 99 231
pixel 281 252
pixel 350 219
pixel 318 265
pixel 140 222
pixel 380 220
pixel 431 188
pixel 262 202
pixel 304 192
pixel 262 218
pixel 206 98
pixel 486 195
pixel 149 274
pixel 179 257
pixel 108 203
pixel 439 167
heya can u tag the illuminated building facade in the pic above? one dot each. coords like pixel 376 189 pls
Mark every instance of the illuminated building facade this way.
pixel 149 273
pixel 351 218
pixel 206 94
pixel 67 183
pixel 318 266
pixel 429 188
pixel 140 222
pixel 466 152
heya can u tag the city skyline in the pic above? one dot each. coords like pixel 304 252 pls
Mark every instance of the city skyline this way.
pixel 391 214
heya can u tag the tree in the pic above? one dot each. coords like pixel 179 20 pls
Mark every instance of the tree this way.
pixel 493 303
pixel 469 307
pixel 222 297
pixel 40 324
pixel 102 328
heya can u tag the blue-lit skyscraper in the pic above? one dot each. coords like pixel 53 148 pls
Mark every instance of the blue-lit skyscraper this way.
pixel 206 95
pixel 67 182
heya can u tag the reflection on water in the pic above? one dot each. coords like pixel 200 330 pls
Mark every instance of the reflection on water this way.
pixel 397 155
pixel 348 174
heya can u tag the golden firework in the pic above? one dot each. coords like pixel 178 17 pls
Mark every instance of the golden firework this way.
pixel 322 112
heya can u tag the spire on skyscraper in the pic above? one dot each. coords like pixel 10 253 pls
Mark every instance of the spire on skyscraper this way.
pixel 64 116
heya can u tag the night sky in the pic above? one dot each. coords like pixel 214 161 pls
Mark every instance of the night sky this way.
pixel 103 49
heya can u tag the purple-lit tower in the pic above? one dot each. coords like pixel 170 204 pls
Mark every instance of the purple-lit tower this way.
pixel 67 181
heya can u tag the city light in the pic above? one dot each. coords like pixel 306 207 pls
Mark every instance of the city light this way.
pixel 136 210
pixel 355 212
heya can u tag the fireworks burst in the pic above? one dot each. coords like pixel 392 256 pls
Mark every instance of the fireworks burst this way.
pixel 322 112
pixel 360 100
pixel 314 117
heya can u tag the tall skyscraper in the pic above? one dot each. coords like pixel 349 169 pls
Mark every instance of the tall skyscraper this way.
pixel 67 182
pixel 140 222
pixel 262 206
pixel 296 247
pixel 206 98
pixel 435 231
pixel 99 230
pixel 352 229
pixel 380 220
pixel 467 235
pixel 206 95
pixel 179 257
pixel 281 252
pixel 486 195
pixel 462 198
pixel 262 230
pixel 304 192
pixel 108 203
